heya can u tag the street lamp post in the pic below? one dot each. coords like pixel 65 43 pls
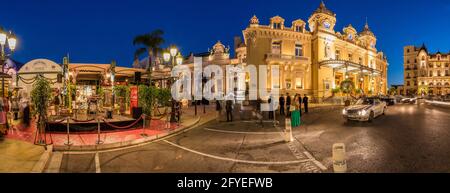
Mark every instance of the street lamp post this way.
pixel 174 57
pixel 9 40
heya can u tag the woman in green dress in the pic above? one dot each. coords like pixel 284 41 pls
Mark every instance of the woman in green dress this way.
pixel 295 115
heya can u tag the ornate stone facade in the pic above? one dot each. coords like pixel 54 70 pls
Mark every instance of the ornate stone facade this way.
pixel 312 61
pixel 315 61
pixel 426 73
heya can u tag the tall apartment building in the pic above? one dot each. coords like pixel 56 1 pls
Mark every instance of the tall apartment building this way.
pixel 426 73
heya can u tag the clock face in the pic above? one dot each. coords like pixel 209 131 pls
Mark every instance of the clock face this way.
pixel 326 25
pixel 350 37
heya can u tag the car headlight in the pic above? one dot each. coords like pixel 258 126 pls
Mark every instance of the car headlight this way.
pixel 344 112
pixel 362 112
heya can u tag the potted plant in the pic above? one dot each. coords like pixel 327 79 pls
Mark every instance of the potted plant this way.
pixel 347 87
pixel 335 91
pixel 147 96
pixel 164 97
pixel 123 95
pixel 40 96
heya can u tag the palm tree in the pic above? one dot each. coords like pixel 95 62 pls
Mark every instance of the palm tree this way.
pixel 151 43
pixel 138 53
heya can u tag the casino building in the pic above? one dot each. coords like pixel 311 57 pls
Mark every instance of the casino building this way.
pixel 313 57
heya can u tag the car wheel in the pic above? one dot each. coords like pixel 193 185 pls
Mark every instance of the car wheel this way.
pixel 371 116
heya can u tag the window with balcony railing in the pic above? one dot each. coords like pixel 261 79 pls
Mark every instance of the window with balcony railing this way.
pixel 276 47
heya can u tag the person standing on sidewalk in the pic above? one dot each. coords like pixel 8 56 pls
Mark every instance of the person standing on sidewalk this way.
pixel 229 109
pixel 282 102
pixel 271 110
pixel 305 103
pixel 56 102
pixel 288 104
pixel 218 109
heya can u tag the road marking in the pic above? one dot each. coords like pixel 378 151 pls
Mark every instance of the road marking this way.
pixel 298 155
pixel 242 132
pixel 97 164
pixel 194 126
pixel 237 160
pixel 320 165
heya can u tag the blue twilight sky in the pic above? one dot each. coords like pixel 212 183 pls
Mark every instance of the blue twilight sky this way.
pixel 99 31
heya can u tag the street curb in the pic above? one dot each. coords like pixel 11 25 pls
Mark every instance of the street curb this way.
pixel 39 167
pixel 123 144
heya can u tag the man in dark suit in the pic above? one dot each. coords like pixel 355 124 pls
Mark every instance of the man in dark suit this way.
pixel 288 104
pixel 271 106
pixel 282 102
pixel 305 103
pixel 229 109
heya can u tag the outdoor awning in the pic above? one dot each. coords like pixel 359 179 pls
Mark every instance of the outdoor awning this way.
pixel 349 67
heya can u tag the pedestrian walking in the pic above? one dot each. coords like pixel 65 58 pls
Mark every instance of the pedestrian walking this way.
pixel 282 103
pixel 305 103
pixel 229 109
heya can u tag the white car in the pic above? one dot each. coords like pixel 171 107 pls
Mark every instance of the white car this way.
pixel 409 100
pixel 365 109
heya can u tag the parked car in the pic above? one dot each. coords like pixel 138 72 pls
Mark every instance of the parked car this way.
pixel 409 100
pixel 366 109
pixel 388 100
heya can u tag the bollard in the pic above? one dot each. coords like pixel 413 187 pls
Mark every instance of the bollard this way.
pixel 288 131
pixel 339 158
pixel 167 125
pixel 68 143
pixel 143 134
pixel 99 141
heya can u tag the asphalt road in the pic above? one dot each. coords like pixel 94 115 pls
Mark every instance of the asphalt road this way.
pixel 409 138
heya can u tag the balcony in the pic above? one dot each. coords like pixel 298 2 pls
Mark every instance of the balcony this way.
pixel 285 58
pixel 407 68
